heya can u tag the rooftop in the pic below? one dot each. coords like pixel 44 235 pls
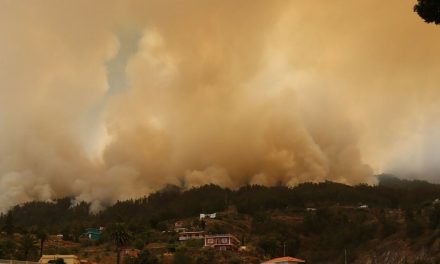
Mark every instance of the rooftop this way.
pixel 284 260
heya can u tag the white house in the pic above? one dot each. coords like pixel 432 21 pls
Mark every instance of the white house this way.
pixel 212 216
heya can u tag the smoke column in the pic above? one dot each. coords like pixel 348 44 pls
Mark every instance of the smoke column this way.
pixel 109 100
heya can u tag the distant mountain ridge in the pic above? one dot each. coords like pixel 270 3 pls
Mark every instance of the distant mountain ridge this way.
pixel 392 181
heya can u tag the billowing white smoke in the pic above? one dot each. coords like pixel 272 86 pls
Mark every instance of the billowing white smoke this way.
pixel 110 100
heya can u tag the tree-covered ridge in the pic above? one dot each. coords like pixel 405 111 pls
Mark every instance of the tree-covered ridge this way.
pixel 175 203
pixel 315 221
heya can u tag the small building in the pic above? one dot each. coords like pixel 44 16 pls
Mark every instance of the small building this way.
pixel 179 227
pixel 222 242
pixel 212 216
pixel 68 259
pixel 363 207
pixel 94 233
pixel 130 253
pixel 183 236
pixel 284 260
pixel 179 224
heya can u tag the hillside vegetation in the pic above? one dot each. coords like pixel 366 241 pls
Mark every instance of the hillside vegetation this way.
pixel 320 222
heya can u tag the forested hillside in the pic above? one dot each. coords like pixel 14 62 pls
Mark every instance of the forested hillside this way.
pixel 316 221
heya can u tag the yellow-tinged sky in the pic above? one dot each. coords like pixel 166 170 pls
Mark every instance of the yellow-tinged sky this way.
pixel 105 100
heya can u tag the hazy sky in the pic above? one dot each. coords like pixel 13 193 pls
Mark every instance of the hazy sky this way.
pixel 106 100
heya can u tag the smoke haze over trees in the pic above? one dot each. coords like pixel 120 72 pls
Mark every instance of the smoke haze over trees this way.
pixel 106 101
pixel 175 203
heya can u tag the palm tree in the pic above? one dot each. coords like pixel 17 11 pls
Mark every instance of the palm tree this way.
pixel 120 237
pixel 42 236
pixel 27 244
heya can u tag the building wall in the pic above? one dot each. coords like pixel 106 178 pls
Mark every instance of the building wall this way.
pixel 68 259
pixel 221 241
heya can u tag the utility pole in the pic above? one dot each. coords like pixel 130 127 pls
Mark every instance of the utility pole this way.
pixel 345 255
pixel 284 249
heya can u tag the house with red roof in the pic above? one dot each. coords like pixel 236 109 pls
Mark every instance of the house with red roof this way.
pixel 284 260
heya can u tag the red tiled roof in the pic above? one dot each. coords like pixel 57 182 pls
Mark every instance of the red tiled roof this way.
pixel 284 259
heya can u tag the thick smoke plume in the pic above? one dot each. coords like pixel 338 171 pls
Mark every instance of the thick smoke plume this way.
pixel 106 100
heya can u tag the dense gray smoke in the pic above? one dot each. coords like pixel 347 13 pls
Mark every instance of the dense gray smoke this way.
pixel 106 100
